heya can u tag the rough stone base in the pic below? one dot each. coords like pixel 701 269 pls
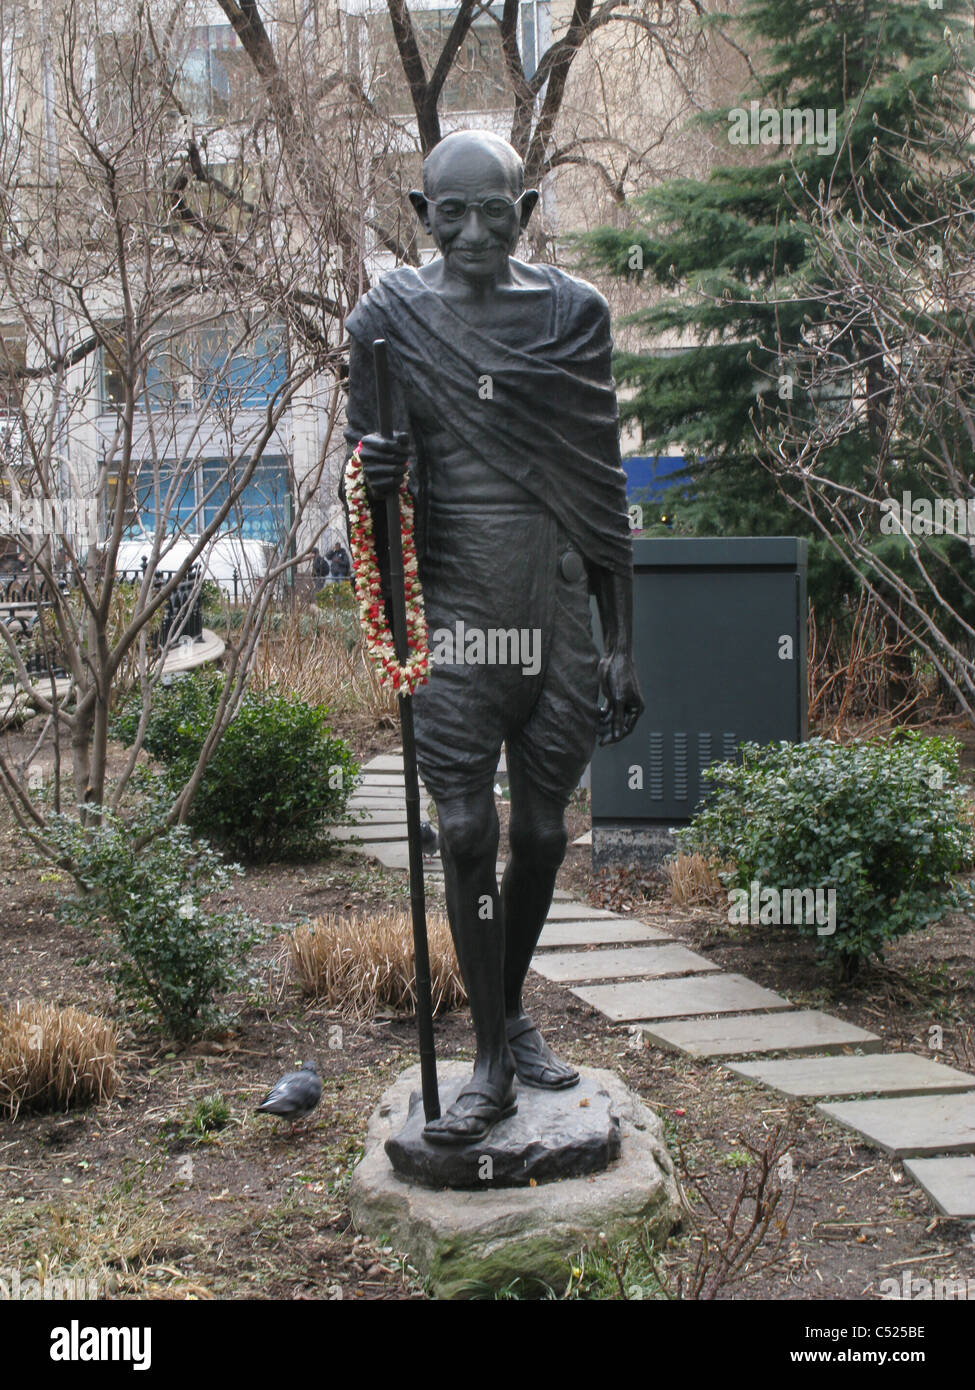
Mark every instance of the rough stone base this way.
pixel 552 1134
pixel 645 843
pixel 469 1243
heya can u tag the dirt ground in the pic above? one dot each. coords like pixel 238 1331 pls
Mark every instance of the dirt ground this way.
pixel 127 1192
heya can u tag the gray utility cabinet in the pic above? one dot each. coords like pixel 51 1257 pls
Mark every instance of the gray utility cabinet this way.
pixel 719 634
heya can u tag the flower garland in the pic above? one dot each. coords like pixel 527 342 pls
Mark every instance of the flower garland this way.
pixel 380 646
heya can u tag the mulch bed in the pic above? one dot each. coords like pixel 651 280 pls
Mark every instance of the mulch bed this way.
pixel 259 1212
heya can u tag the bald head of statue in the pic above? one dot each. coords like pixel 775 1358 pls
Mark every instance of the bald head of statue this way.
pixel 474 202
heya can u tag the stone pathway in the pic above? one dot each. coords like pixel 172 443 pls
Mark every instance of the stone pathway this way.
pixel 911 1106
pixel 949 1182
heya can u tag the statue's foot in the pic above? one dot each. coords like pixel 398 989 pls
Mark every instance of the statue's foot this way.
pixel 535 1062
pixel 473 1114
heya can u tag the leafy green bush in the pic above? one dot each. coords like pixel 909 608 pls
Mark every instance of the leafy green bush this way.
pixel 179 711
pixel 168 956
pixel 277 778
pixel 211 602
pixel 885 823
pixel 338 607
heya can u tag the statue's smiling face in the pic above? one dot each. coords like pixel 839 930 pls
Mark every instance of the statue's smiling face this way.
pixel 475 246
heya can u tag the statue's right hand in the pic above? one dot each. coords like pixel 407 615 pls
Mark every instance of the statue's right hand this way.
pixel 384 462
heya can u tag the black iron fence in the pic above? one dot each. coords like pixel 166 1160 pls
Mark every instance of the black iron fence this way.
pixel 25 595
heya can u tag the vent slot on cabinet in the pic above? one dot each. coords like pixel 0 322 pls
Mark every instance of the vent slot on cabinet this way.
pixel 656 767
pixel 705 757
pixel 680 766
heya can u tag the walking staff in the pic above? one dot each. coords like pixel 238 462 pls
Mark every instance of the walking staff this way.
pixel 421 954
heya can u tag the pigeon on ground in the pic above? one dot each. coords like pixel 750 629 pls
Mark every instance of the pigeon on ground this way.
pixel 429 839
pixel 294 1096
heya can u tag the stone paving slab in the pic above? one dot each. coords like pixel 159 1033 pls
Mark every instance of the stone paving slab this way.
pixel 385 762
pixel 949 1182
pixel 367 791
pixel 696 994
pixel 388 830
pixel 578 912
pixel 397 856
pixel 912 1126
pixel 611 933
pixel 396 814
pixel 393 762
pixel 890 1074
pixel 391 856
pixel 642 962
pixel 805 1030
pixel 382 783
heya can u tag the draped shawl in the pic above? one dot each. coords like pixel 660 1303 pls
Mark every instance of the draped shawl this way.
pixel 546 418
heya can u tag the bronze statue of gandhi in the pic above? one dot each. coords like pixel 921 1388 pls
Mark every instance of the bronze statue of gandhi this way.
pixel 505 413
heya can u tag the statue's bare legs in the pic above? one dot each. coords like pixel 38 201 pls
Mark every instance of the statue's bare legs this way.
pixel 538 841
pixel 495 937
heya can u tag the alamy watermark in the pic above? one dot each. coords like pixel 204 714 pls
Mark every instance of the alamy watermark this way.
pixel 77 1343
pixel 927 516
pixel 17 1287
pixel 783 907
pixel 925 1290
pixel 48 516
pixel 791 125
pixel 463 645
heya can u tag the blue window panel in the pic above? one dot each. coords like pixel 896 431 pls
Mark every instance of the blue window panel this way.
pixel 214 76
pixel 251 375
pixel 169 363
pixel 178 515
pixel 262 511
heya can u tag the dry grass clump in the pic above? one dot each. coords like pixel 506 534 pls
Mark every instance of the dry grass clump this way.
pixel 108 1245
pixel 359 964
pixel 325 664
pixel 51 1058
pixel 693 881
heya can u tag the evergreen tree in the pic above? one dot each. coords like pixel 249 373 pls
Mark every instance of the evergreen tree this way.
pixel 730 255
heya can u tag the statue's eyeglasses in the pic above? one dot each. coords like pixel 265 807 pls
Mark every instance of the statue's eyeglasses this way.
pixel 495 209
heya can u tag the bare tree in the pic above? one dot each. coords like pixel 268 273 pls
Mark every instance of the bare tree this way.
pixel 598 96
pixel 175 218
pixel 157 334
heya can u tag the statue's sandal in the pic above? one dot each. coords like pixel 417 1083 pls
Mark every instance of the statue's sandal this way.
pixel 469 1123
pixel 535 1063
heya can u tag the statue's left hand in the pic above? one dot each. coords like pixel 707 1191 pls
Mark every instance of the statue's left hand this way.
pixel 620 689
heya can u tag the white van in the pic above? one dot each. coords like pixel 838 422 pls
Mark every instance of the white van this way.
pixel 224 557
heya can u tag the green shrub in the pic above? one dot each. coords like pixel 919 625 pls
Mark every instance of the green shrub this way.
pixel 885 823
pixel 211 602
pixel 338 607
pixel 276 780
pixel 168 956
pixel 180 711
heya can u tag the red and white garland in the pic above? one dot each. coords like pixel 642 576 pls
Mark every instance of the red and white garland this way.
pixel 380 647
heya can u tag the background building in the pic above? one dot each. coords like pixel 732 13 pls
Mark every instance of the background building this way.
pixel 238 242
